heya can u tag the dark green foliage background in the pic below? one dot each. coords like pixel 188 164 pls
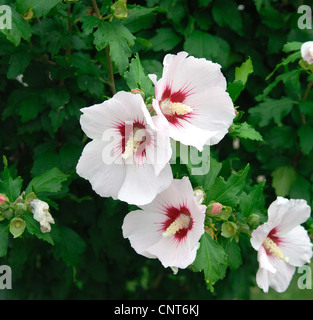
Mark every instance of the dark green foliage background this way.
pixel 39 130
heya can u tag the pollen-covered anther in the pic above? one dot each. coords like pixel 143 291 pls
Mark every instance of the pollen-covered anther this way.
pixel 183 221
pixel 131 147
pixel 175 108
pixel 273 249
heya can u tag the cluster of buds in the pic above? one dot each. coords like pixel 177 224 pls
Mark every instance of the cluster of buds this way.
pixel 14 211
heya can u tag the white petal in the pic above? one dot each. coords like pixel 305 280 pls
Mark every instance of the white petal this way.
pixel 142 230
pixel 213 110
pixel 159 152
pixel 296 245
pixel 141 185
pixel 189 73
pixel 259 235
pixel 286 214
pixel 105 179
pixel 281 279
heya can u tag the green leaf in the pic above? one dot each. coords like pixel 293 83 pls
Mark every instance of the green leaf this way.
pixel 33 228
pixel 204 45
pixel 40 7
pixel 241 76
pixel 211 259
pixel 18 63
pixel 20 29
pixel 306 107
pixel 305 134
pixel 136 77
pixel 292 46
pixel 226 14
pixel 206 181
pixel 139 18
pixel 233 252
pixel 4 239
pixel 283 179
pixel 270 109
pixel 11 187
pixel 48 182
pixel 249 203
pixel 242 73
pixel 226 192
pixel 245 131
pixel 89 23
pixel 166 39
pixel 119 38
pixel 68 245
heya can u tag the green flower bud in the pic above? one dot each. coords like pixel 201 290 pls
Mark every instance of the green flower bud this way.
pixel 119 9
pixel 253 219
pixel 8 214
pixel 229 229
pixel 17 227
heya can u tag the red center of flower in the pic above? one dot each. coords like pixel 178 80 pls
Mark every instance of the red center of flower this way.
pixel 178 222
pixel 172 105
pixel 134 138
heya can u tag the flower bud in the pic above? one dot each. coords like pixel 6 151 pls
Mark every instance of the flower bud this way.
pixel 3 198
pixel 138 91
pixel 253 219
pixel 119 9
pixel 216 207
pixel 229 229
pixel 17 227
pixel 307 52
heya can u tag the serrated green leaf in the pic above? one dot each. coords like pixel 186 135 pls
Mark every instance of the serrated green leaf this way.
pixel 165 39
pixel 11 187
pixel 136 77
pixel 226 14
pixel 246 131
pixel 226 192
pixel 68 245
pixel 20 29
pixel 211 259
pixel 270 109
pixel 89 23
pixel 283 179
pixel 48 182
pixel 305 134
pixel 292 46
pixel 39 7
pixel 233 252
pixel 250 202
pixel 18 63
pixel 119 39
pixel 33 228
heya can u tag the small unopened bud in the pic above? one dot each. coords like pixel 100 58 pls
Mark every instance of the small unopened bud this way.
pixel 216 207
pixel 17 227
pixel 3 198
pixel 253 219
pixel 138 91
pixel 229 229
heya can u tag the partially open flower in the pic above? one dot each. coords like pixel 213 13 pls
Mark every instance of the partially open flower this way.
pixel 169 228
pixel 3 198
pixel 127 158
pixel 191 102
pixel 40 209
pixel 307 52
pixel 282 244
